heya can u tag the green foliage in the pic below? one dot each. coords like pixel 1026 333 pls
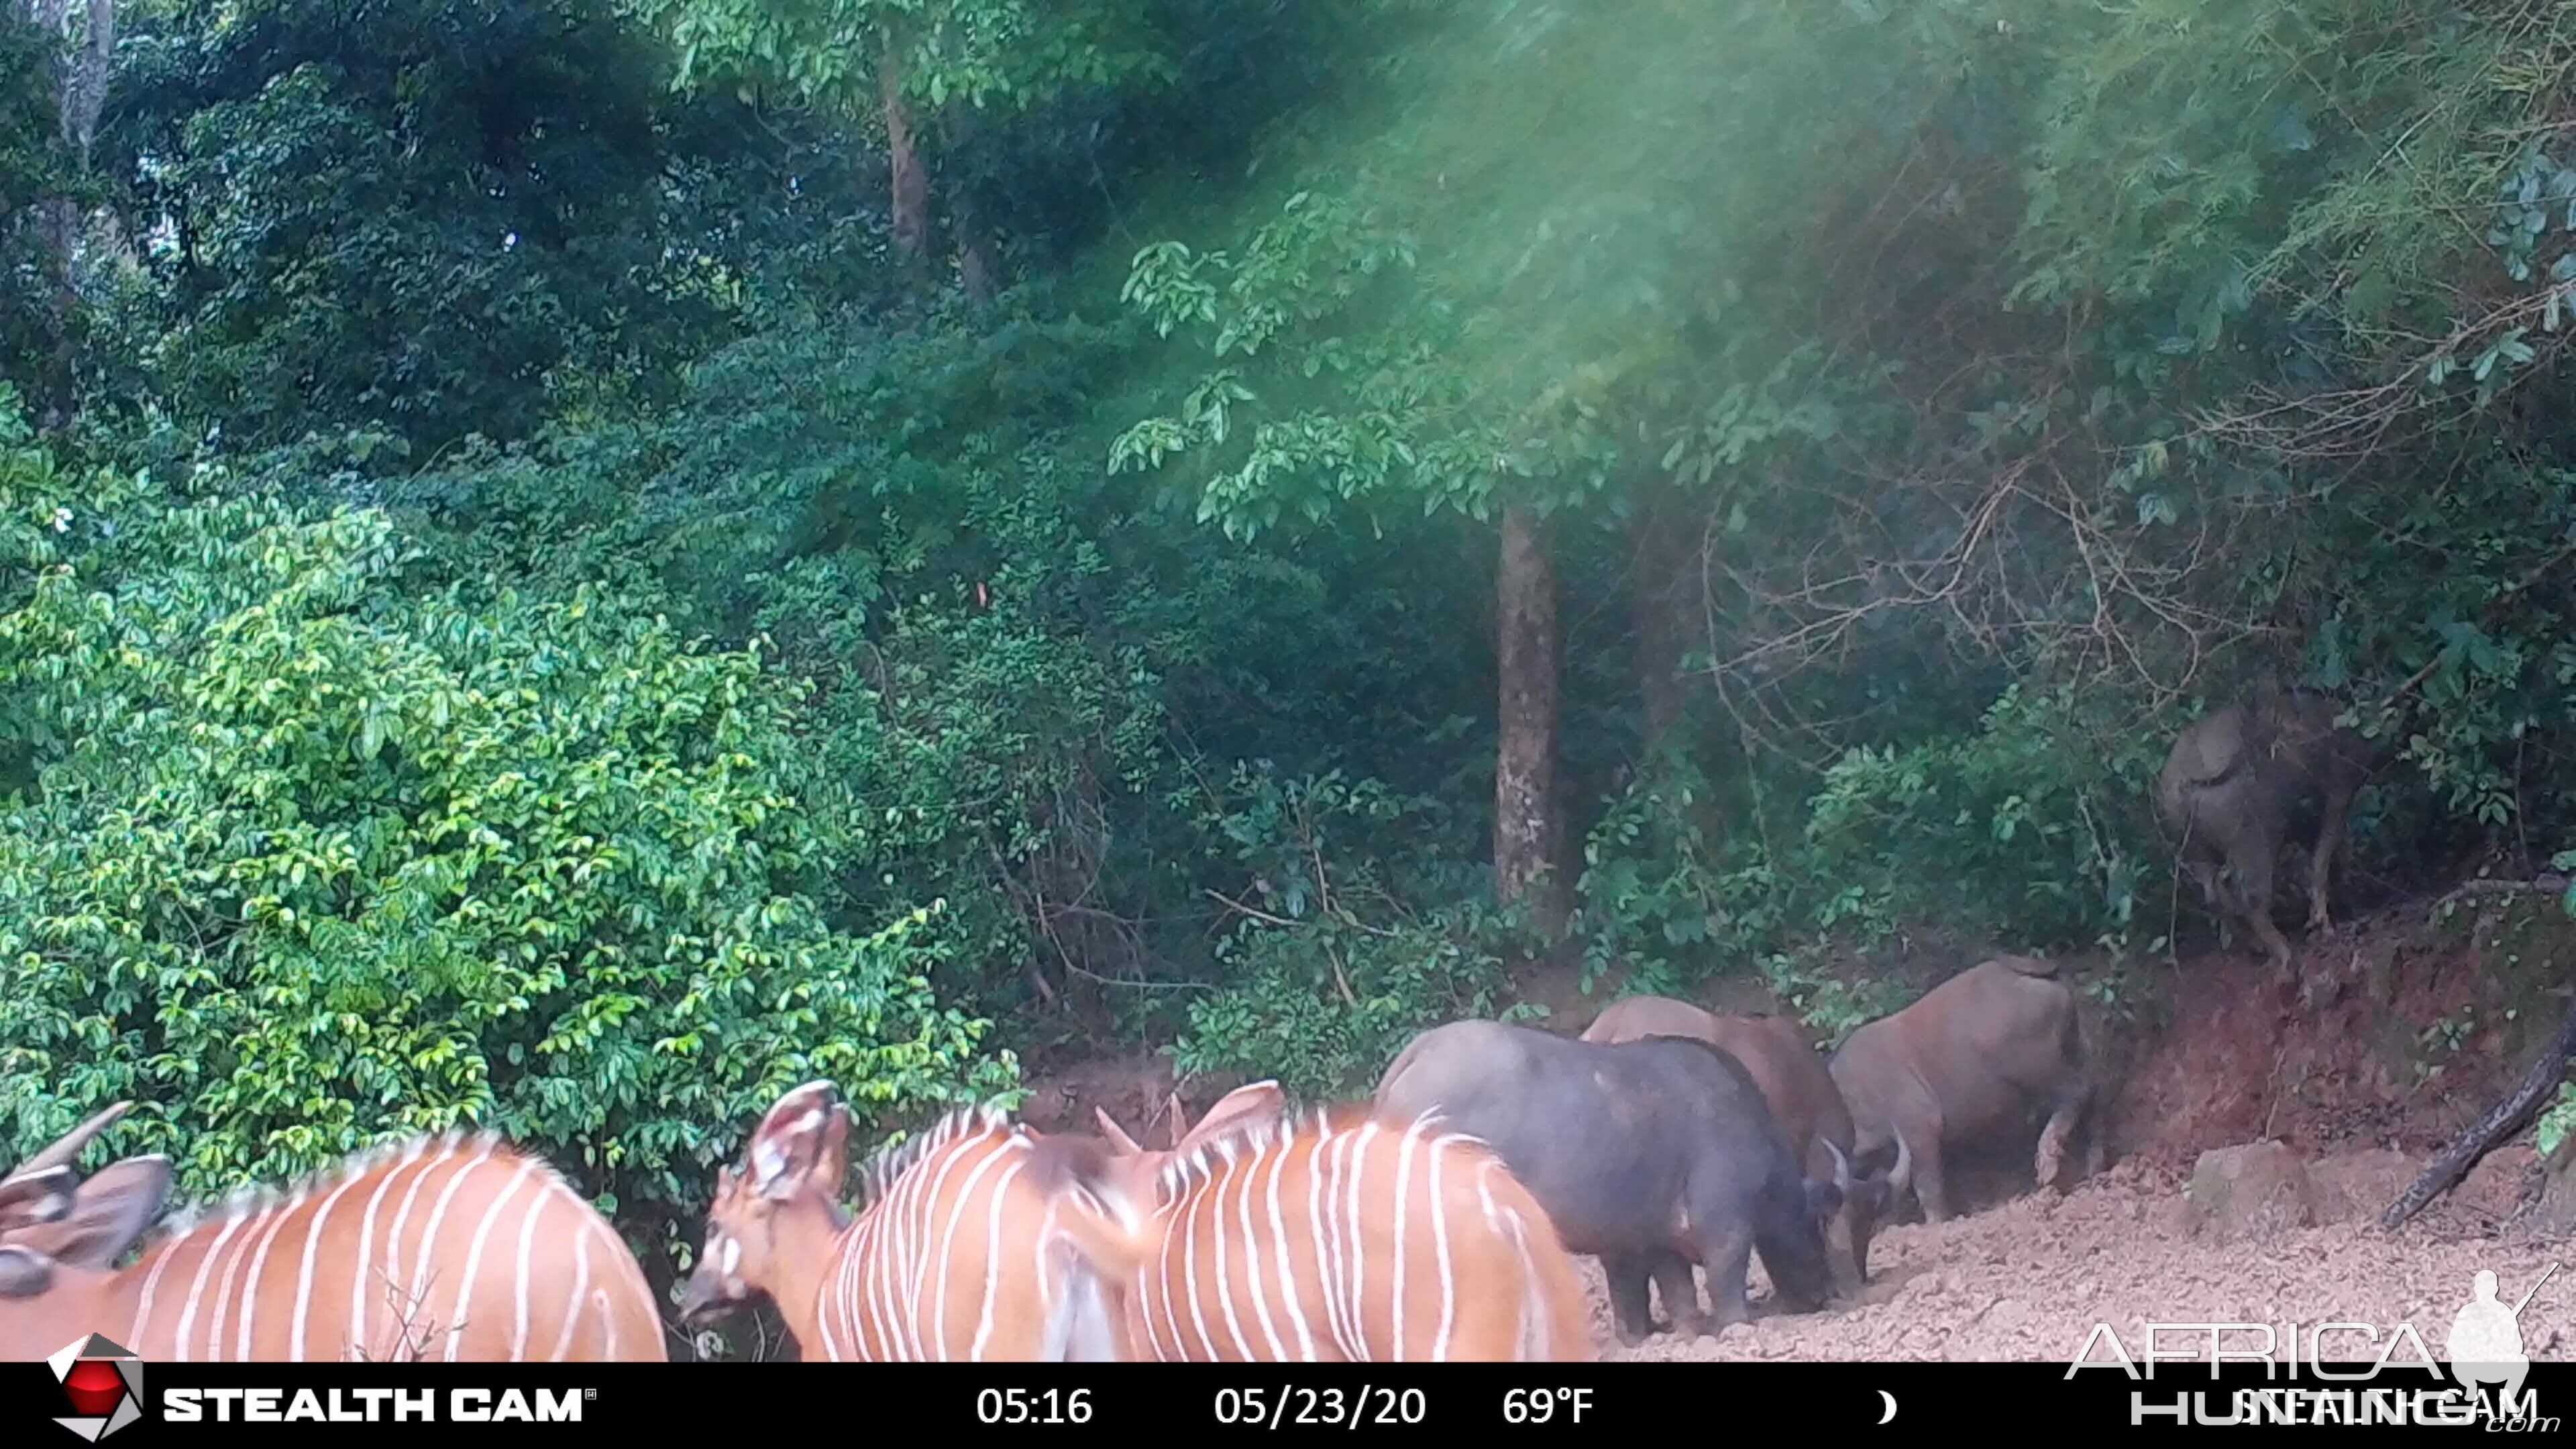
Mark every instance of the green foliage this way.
pixel 2032 824
pixel 2557 1121
pixel 2007 381
pixel 976 51
pixel 2035 829
pixel 1282 1016
pixel 440 217
pixel 1327 972
pixel 1666 891
pixel 321 850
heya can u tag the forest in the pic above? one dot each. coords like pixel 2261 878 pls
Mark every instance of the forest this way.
pixel 571 565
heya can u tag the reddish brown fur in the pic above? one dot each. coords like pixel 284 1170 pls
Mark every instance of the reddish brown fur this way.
pixel 1968 1060
pixel 951 1260
pixel 288 1278
pixel 1263 1187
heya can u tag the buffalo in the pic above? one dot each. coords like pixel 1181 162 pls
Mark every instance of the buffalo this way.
pixel 1650 1155
pixel 2236 784
pixel 1969 1060
pixel 1798 1089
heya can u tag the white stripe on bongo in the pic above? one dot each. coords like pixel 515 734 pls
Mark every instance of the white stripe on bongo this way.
pixel 277 1216
pixel 356 1337
pixel 1440 1251
pixel 1403 1221
pixel 1332 1156
pixel 398 1292
pixel 1251 1251
pixel 830 1313
pixel 519 1275
pixel 1291 1283
pixel 873 1312
pixel 304 1270
pixel 161 1260
pixel 239 1218
pixel 1320 1243
pixel 417 1290
pixel 993 1262
pixel 1359 1245
pixel 580 1282
pixel 458 1324
pixel 1190 1281
pixel 937 1268
pixel 892 1306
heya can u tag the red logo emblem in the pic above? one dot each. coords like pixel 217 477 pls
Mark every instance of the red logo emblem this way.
pixel 104 1383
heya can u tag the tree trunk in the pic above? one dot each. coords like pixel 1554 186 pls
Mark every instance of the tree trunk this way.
pixel 85 81
pixel 977 268
pixel 911 200
pixel 1653 602
pixel 1527 830
pixel 84 95
pixel 62 362
pixel 975 264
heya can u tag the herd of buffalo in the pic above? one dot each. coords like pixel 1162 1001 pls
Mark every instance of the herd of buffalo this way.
pixel 1668 1135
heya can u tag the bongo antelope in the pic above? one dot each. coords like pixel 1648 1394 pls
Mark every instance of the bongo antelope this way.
pixel 452 1249
pixel 1329 1236
pixel 948 1260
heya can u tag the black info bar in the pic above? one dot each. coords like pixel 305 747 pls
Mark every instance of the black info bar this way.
pixel 633 1404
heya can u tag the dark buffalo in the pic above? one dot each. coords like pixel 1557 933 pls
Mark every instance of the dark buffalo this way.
pixel 1970 1060
pixel 2236 784
pixel 1650 1155
pixel 1798 1089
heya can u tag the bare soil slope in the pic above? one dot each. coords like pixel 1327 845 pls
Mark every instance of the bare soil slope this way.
pixel 2027 1280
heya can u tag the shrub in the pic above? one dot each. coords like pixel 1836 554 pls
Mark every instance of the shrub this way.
pixel 315 853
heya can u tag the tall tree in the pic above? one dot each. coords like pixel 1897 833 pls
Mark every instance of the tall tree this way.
pixel 1344 358
pixel 888 62
pixel 73 47
pixel 1541 356
pixel 432 216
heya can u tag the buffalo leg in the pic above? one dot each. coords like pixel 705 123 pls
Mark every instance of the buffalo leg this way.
pixel 1848 1251
pixel 2213 890
pixel 1924 1144
pixel 1727 1256
pixel 2250 857
pixel 1680 1290
pixel 1915 1123
pixel 1627 1277
pixel 1856 1224
pixel 2069 1115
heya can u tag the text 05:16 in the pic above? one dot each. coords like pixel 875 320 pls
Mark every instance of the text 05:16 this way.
pixel 1033 1406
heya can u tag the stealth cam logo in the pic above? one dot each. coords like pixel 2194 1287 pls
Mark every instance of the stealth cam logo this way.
pixel 104 1383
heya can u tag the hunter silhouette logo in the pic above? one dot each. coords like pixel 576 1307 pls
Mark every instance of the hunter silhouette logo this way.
pixel 2486 1343
pixel 104 1383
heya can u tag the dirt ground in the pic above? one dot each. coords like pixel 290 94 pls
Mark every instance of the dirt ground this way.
pixel 2027 1280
